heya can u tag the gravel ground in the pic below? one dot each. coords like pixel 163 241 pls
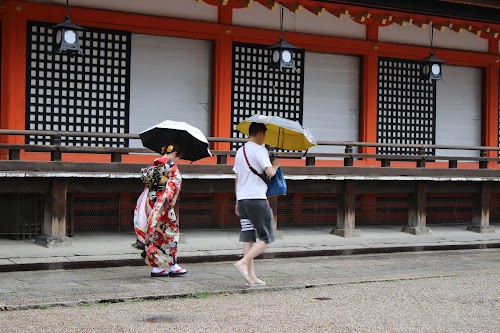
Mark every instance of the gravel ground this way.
pixel 462 303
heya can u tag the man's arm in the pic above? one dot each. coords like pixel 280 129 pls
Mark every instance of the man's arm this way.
pixel 271 171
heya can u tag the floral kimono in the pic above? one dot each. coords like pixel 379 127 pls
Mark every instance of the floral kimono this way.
pixel 155 222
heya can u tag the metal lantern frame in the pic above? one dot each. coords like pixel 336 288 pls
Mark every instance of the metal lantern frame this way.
pixel 282 54
pixel 431 68
pixel 65 35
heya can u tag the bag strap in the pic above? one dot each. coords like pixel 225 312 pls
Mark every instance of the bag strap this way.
pixel 263 176
pixel 246 159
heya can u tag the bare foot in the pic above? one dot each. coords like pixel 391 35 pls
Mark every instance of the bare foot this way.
pixel 241 269
pixel 256 280
pixel 257 283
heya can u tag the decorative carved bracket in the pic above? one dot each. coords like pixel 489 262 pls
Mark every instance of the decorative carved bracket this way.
pixel 367 16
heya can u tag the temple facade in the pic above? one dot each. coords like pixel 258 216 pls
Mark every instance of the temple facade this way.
pixel 357 77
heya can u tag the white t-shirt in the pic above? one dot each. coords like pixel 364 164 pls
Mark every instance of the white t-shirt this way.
pixel 251 186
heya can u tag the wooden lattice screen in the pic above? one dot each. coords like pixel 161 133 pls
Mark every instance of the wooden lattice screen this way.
pixel 259 89
pixel 406 106
pixel 88 93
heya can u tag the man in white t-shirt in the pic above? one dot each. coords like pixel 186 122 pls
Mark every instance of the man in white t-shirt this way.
pixel 256 216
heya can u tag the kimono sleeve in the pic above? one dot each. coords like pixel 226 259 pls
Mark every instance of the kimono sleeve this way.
pixel 175 179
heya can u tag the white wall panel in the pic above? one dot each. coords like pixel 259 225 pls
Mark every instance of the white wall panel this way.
pixel 304 21
pixel 448 39
pixel 331 98
pixel 170 79
pixel 189 9
pixel 458 112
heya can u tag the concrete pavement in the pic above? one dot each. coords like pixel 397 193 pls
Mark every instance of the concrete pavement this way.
pixel 44 289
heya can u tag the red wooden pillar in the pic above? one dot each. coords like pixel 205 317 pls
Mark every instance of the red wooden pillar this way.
pixel 13 69
pixel 223 66
pixel 368 119
pixel 490 110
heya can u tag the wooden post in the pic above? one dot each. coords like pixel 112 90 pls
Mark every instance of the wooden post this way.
pixel 481 210
pixel 417 218
pixel 54 226
pixel 56 141
pixel 273 202
pixel 346 215
pixel 483 164
pixel 348 161
pixel 421 160
pixel 222 159
pixel 116 157
pixel 310 161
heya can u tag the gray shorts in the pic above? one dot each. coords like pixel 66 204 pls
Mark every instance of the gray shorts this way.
pixel 256 218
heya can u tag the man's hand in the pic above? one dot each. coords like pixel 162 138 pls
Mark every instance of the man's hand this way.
pixel 236 210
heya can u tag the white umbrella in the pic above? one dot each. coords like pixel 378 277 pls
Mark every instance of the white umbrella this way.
pixel 191 141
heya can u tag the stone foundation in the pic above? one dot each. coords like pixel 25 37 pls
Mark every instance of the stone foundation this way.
pixel 50 242
pixel 417 230
pixel 347 233
pixel 482 229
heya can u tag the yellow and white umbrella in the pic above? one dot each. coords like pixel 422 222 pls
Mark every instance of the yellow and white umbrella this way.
pixel 281 133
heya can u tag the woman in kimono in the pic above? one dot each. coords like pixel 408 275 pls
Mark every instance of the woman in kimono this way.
pixel 155 222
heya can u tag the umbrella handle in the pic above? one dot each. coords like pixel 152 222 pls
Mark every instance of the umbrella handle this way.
pixel 273 157
pixel 305 153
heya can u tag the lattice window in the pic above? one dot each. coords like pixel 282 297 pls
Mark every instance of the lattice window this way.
pixel 406 106
pixel 88 93
pixel 257 88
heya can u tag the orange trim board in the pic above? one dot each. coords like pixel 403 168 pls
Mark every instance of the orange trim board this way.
pixel 153 25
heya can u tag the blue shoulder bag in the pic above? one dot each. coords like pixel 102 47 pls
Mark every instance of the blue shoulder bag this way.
pixel 275 185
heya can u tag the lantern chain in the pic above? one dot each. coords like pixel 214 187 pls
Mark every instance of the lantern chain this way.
pixel 281 22
pixel 431 37
pixel 68 13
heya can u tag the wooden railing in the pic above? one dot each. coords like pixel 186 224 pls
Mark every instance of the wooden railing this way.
pixel 56 148
pixel 54 180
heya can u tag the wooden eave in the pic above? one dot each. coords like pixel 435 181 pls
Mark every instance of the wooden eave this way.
pixel 480 17
pixel 478 3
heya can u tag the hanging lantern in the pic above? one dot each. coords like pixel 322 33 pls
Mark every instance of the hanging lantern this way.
pixel 282 54
pixel 65 35
pixel 431 67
